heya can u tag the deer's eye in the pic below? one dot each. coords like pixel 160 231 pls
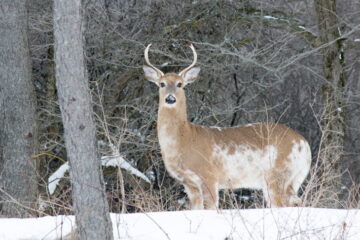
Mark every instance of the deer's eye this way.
pixel 179 85
pixel 162 84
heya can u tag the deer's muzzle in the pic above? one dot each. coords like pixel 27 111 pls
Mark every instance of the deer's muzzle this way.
pixel 170 99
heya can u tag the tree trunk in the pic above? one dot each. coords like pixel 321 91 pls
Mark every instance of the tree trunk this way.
pixel 18 128
pixel 90 205
pixel 333 122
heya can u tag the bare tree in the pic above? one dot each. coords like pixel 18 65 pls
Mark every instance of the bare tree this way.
pixel 333 124
pixel 18 128
pixel 91 208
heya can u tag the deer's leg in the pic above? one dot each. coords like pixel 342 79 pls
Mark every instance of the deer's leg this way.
pixel 195 196
pixel 274 190
pixel 293 187
pixel 192 184
pixel 274 197
pixel 293 199
pixel 211 195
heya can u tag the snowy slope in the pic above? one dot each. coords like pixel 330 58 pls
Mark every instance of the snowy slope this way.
pixel 275 223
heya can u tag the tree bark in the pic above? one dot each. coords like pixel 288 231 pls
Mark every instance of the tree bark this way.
pixel 333 122
pixel 18 128
pixel 90 205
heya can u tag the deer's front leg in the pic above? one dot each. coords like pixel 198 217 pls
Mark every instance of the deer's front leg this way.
pixel 192 183
pixel 211 195
pixel 195 196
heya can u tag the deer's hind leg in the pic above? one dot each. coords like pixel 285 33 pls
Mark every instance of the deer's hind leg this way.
pixel 293 199
pixel 293 188
pixel 275 189
pixel 280 190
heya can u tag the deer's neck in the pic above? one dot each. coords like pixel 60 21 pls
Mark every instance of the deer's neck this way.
pixel 174 116
pixel 172 127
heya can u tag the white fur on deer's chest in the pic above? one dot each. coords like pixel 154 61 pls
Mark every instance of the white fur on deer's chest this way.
pixel 244 167
pixel 171 156
pixel 167 143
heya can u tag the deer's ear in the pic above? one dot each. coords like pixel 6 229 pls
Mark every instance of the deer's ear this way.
pixel 151 74
pixel 191 75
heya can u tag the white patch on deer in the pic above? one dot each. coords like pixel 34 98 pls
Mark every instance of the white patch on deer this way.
pixel 299 162
pixel 170 105
pixel 167 143
pixel 244 166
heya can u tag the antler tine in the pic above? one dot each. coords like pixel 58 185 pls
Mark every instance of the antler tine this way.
pixel 146 54
pixel 193 63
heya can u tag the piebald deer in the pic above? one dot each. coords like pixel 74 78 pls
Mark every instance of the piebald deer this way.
pixel 267 156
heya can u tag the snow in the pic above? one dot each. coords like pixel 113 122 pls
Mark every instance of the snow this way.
pixel 302 27
pixel 269 223
pixel 270 17
pixel 107 161
pixel 56 176
pixel 118 161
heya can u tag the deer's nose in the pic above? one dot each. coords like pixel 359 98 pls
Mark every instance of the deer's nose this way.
pixel 170 99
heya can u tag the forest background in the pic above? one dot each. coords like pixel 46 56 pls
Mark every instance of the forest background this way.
pixel 292 62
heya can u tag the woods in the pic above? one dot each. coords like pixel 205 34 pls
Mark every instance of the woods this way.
pixel 72 90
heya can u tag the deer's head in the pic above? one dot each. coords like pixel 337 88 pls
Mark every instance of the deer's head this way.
pixel 171 85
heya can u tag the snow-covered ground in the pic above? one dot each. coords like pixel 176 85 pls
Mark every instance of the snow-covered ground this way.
pixel 270 223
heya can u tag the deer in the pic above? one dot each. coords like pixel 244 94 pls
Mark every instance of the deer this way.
pixel 266 156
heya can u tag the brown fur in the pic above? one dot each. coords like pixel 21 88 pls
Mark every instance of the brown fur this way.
pixel 190 157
